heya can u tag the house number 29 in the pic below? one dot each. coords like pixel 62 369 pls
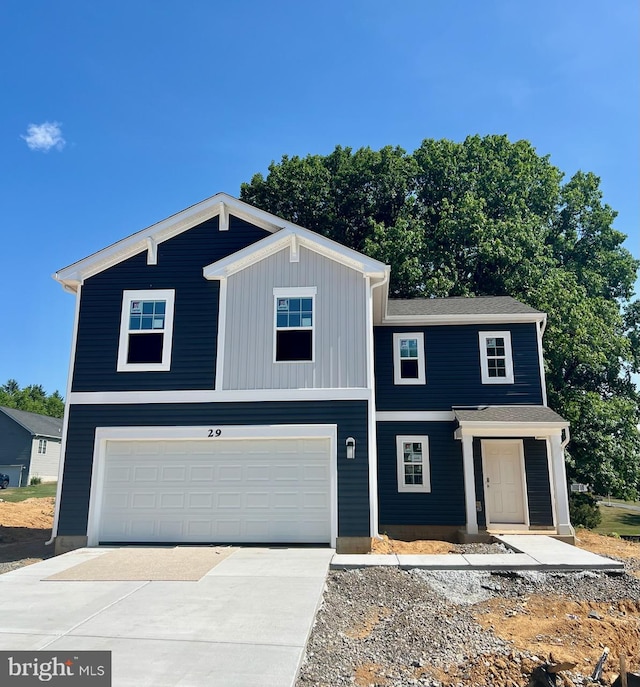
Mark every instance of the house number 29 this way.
pixel 214 433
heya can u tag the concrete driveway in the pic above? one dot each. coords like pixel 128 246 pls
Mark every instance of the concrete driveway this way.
pixel 246 622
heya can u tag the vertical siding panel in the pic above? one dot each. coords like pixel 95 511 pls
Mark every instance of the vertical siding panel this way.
pixel 340 332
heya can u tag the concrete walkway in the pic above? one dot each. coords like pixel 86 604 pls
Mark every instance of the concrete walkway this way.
pixel 532 552
pixel 244 624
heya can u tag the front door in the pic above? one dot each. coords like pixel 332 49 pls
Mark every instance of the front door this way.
pixel 504 482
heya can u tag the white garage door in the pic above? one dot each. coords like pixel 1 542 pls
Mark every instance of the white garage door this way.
pixel 242 490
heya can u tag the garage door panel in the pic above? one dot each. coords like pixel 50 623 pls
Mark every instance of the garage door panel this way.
pixel 173 473
pixel 230 473
pixel 274 490
pixel 173 500
pixel 145 474
pixel 204 500
pixel 201 473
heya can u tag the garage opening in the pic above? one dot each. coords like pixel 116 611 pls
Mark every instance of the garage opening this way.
pixel 246 490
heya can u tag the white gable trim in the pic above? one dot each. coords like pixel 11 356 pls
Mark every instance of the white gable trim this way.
pixel 222 205
pixel 293 238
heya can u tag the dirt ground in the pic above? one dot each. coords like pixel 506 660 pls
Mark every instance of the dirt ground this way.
pixel 546 626
pixel 24 529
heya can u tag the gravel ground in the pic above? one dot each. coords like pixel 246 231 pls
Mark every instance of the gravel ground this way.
pixel 385 626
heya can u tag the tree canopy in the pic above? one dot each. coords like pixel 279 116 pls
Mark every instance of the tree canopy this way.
pixel 492 217
pixel 33 399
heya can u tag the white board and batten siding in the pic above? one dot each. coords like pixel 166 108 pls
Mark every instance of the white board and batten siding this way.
pixel 340 325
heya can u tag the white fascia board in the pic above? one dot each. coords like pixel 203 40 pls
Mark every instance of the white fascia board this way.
pixel 211 396
pixel 510 429
pixel 287 237
pixel 432 320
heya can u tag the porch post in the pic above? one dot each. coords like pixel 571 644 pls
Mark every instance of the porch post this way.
pixel 469 485
pixel 560 484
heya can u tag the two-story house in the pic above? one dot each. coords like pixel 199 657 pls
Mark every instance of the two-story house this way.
pixel 237 378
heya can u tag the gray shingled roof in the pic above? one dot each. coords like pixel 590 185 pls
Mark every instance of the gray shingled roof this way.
pixel 481 305
pixel 508 414
pixel 38 425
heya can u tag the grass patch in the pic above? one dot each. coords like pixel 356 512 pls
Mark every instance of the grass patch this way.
pixel 605 499
pixel 618 520
pixel 37 491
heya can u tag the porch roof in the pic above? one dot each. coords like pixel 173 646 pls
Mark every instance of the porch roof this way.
pixel 509 414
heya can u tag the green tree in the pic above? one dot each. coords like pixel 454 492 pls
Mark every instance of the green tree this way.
pixel 492 217
pixel 32 399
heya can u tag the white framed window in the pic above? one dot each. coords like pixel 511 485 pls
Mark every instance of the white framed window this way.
pixel 42 446
pixel 408 358
pixel 294 324
pixel 146 330
pixel 496 361
pixel 413 463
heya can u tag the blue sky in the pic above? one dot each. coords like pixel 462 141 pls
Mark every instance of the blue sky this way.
pixel 154 105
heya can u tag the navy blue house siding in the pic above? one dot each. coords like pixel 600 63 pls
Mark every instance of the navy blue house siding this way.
pixel 349 416
pixel 196 311
pixel 15 448
pixel 444 505
pixel 453 369
pixel 537 474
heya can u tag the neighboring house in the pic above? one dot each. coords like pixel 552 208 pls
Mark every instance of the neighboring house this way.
pixel 237 378
pixel 29 446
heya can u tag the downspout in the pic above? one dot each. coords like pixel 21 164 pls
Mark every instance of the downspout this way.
pixel 373 454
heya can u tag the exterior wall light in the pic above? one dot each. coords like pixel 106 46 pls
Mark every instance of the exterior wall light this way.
pixel 351 448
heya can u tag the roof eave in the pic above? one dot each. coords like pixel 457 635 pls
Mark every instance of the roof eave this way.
pixel 72 276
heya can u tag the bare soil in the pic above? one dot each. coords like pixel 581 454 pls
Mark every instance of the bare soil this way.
pixel 24 529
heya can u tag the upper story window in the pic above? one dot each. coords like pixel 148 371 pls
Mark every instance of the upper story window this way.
pixel 408 358
pixel 146 331
pixel 42 446
pixel 496 361
pixel 294 324
pixel 413 463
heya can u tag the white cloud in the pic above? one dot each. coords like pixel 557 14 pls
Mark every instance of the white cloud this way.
pixel 44 136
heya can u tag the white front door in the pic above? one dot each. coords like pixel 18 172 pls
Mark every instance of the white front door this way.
pixel 504 482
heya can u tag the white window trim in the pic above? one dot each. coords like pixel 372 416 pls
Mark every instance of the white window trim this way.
pixel 167 295
pixel 295 292
pixel 508 358
pixel 42 446
pixel 426 465
pixel 397 377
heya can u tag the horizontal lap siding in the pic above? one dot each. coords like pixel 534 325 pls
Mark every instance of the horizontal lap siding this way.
pixel 180 263
pixel 537 474
pixel 444 505
pixel 339 325
pixel 538 488
pixel 453 369
pixel 349 416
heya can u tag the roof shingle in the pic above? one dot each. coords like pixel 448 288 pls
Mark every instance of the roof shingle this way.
pixel 514 414
pixel 38 425
pixel 480 305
